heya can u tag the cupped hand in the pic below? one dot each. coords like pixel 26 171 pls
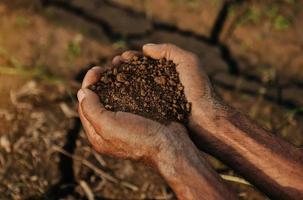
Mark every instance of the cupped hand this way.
pixel 122 134
pixel 197 87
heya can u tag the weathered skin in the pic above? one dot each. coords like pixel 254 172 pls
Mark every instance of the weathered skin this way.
pixel 268 162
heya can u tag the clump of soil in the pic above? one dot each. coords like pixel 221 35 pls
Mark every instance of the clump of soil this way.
pixel 144 86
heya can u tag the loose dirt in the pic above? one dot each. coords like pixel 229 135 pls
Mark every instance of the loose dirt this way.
pixel 144 86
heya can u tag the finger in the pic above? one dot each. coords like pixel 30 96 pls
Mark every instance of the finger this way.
pixel 92 76
pixel 94 111
pixel 85 123
pixel 95 139
pixel 117 60
pixel 188 67
pixel 168 51
pixel 128 55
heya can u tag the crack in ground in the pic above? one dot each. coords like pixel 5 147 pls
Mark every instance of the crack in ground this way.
pixel 66 185
pixel 221 19
pixel 212 40
pixel 284 103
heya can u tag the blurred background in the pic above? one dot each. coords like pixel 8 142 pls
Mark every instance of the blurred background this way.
pixel 252 51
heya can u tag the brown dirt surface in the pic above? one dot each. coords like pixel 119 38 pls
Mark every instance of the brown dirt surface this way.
pixel 41 72
pixel 144 86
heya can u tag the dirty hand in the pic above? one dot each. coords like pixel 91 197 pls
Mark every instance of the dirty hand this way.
pixel 197 87
pixel 122 134
pixel 165 147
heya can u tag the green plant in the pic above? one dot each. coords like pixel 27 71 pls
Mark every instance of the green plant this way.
pixel 215 2
pixel 119 44
pixel 252 15
pixel 36 72
pixel 74 48
pixel 281 23
pixel 291 2
pixel 233 9
pixel 15 67
pixel 22 21
pixel 10 59
pixel 272 12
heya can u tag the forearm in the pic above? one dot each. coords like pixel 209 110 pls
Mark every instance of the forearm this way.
pixel 271 164
pixel 190 176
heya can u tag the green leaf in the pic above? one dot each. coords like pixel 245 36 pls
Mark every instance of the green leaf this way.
pixel 281 23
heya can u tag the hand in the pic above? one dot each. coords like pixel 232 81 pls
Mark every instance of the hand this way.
pixel 197 87
pixel 125 135
pixel 231 136
pixel 168 148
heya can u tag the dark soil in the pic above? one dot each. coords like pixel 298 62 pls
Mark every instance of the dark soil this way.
pixel 144 86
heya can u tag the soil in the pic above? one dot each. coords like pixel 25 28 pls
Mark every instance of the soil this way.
pixel 144 86
pixel 64 41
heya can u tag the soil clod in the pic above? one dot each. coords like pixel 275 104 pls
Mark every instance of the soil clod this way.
pixel 144 86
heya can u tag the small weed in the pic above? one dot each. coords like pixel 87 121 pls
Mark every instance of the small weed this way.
pixel 281 23
pixel 17 68
pixel 119 44
pixel 233 9
pixel 10 59
pixel 253 15
pixel 22 21
pixel 215 2
pixel 36 72
pixel 74 46
pixel 291 2
pixel 272 12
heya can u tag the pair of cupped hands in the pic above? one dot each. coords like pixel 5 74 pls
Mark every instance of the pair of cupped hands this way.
pixel 131 136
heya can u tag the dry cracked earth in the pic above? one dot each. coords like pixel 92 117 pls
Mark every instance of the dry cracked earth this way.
pixel 250 49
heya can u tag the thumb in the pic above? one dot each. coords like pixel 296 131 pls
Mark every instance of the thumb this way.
pixel 168 51
pixel 93 110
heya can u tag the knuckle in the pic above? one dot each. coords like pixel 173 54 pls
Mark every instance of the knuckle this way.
pixel 168 48
pixel 192 57
pixel 93 70
pixel 126 53
pixel 116 58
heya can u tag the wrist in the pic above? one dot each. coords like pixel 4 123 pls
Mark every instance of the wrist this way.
pixel 207 112
pixel 176 148
pixel 173 165
pixel 189 174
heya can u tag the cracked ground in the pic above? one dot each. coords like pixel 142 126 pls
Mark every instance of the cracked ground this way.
pixel 251 50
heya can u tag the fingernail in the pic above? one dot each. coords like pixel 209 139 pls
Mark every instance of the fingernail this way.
pixel 150 44
pixel 80 95
pixel 96 67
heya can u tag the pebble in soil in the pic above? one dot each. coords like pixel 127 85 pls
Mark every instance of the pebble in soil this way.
pixel 144 86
